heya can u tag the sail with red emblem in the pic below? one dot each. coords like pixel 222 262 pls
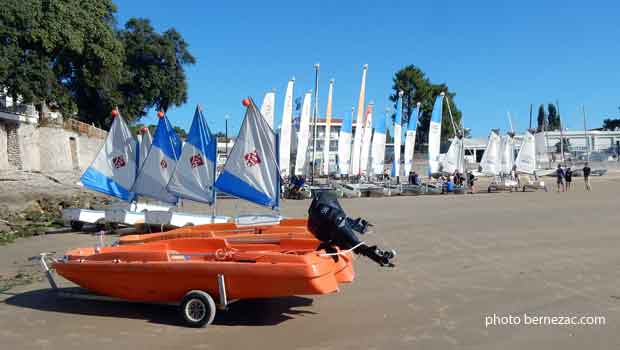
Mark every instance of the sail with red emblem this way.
pixel 251 171
pixel 160 163
pixel 194 175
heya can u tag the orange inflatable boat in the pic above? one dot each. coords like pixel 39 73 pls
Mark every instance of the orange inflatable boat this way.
pixel 196 271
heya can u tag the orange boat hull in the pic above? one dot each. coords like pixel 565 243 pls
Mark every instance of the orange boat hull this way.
pixel 165 271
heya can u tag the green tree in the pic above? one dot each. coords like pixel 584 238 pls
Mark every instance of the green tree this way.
pixel 68 52
pixel 553 118
pixel 611 124
pixel 417 87
pixel 542 117
pixel 154 75
pixel 62 51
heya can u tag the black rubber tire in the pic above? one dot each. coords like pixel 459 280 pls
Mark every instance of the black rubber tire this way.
pixel 197 309
pixel 77 225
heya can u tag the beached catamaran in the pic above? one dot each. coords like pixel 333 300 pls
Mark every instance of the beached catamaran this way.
pixel 489 163
pixel 434 136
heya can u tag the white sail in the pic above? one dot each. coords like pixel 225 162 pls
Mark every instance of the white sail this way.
pixel 304 134
pixel 285 130
pixel 542 154
pixel 366 139
pixel 434 135
pixel 194 175
pixel 159 164
pixel 526 159
pixel 267 109
pixel 114 169
pixel 344 145
pixel 328 124
pixel 490 158
pixel 145 145
pixel 378 146
pixel 410 138
pixel 506 154
pixel 398 132
pixel 453 159
pixel 251 171
pixel 357 138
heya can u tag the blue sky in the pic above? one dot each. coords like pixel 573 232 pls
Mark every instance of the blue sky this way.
pixel 498 56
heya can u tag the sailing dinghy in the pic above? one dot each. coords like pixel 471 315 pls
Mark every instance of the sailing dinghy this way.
pixel 193 178
pixel 153 176
pixel 112 172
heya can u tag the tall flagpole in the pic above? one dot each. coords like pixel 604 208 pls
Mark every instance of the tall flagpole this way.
pixel 315 113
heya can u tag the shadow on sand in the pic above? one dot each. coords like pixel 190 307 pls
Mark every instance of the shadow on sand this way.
pixel 257 312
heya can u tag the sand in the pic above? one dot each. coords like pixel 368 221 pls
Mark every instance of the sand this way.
pixel 460 259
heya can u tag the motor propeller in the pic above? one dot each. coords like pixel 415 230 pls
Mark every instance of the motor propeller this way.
pixel 329 224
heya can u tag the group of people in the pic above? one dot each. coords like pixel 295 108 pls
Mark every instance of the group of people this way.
pixel 457 180
pixel 564 176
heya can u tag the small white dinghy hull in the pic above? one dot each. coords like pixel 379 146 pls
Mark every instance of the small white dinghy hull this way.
pixel 181 219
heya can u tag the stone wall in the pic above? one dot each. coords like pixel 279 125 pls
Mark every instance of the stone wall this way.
pixel 45 148
pixel 4 159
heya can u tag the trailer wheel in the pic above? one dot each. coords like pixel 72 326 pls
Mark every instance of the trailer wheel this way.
pixel 76 225
pixel 198 309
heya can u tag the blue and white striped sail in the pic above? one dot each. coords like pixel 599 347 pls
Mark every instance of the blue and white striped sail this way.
pixel 159 164
pixel 145 145
pixel 194 175
pixel 378 146
pixel 397 135
pixel 251 171
pixel 344 145
pixel 114 169
pixel 410 138
pixel 434 135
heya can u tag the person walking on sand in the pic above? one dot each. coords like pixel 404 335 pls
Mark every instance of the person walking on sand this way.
pixel 559 173
pixel 586 177
pixel 568 177
pixel 471 179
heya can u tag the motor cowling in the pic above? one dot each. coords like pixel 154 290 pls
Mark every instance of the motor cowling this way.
pixel 328 222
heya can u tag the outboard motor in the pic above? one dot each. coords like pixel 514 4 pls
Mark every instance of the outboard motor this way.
pixel 329 224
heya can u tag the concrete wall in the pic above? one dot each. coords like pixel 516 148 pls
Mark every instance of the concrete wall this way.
pixel 88 147
pixel 4 159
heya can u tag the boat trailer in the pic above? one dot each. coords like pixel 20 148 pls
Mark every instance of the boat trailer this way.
pixel 197 307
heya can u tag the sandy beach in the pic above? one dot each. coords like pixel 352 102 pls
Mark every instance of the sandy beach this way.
pixel 460 260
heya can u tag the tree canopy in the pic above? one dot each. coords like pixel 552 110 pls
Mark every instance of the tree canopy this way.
pixel 69 53
pixel 542 116
pixel 553 118
pixel 416 88
pixel 611 123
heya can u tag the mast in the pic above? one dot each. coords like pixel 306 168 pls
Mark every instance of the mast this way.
pixel 315 113
pixel 530 115
pixel 328 121
pixel 557 105
pixel 585 133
